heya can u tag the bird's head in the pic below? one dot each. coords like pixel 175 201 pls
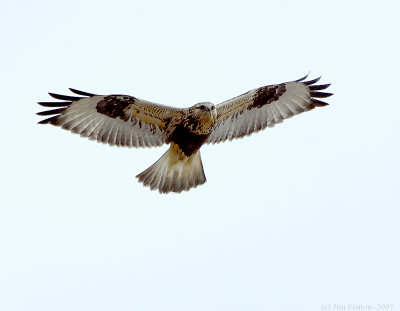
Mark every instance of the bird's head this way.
pixel 204 110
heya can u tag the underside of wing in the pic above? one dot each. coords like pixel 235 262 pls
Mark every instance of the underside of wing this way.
pixel 265 107
pixel 114 119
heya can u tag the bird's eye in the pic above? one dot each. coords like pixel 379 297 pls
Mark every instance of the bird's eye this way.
pixel 202 107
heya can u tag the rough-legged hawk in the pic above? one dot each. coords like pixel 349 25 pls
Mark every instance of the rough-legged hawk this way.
pixel 124 120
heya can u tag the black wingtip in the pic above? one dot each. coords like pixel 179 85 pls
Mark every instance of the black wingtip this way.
pixel 303 78
pixel 318 103
pixel 312 81
pixel 50 112
pixel 61 106
pixel 64 97
pixel 54 104
pixel 51 120
pixel 315 91
pixel 81 92
pixel 320 94
pixel 319 87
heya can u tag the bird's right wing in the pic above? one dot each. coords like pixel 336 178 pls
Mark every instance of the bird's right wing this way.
pixel 114 119
pixel 264 107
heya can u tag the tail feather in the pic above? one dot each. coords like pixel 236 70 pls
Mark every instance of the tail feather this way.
pixel 174 172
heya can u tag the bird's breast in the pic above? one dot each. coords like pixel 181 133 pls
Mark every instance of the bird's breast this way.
pixel 200 124
pixel 187 140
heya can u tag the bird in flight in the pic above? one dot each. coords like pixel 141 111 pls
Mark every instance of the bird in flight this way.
pixel 128 121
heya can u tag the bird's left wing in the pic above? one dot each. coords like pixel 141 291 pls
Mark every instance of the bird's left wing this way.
pixel 114 119
pixel 265 107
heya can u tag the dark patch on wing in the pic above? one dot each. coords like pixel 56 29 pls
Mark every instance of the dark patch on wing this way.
pixel 187 141
pixel 115 106
pixel 266 95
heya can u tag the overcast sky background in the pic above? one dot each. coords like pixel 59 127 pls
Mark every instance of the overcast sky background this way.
pixel 301 216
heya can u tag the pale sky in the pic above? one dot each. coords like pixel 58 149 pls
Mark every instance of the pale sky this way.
pixel 302 216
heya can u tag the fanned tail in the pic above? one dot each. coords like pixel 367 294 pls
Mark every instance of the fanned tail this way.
pixel 174 172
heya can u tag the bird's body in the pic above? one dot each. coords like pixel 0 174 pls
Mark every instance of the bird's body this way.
pixel 128 121
pixel 180 168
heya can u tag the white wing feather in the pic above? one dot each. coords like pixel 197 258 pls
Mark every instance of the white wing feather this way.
pixel 141 124
pixel 246 114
